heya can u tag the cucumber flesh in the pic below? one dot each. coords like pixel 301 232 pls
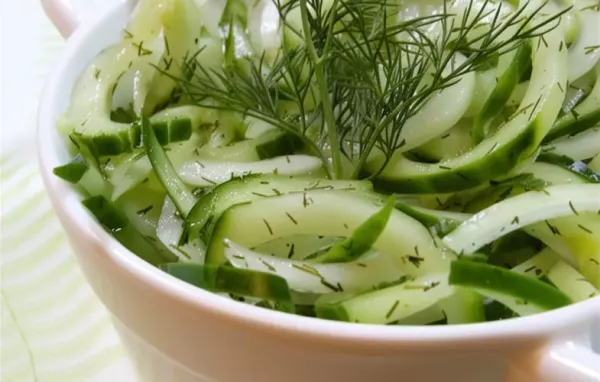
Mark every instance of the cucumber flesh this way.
pixel 585 51
pixel 582 146
pixel 298 247
pixel 385 305
pixel 539 265
pixel 410 244
pixel 463 307
pixel 440 113
pixel 306 276
pixel 576 167
pixel 520 211
pixel 210 173
pixel 170 230
pixel 572 283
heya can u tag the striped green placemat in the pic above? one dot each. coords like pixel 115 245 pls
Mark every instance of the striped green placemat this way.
pixel 53 328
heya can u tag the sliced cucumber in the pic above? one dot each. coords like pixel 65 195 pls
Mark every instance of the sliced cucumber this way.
pixel 572 283
pixel 520 211
pixel 520 63
pixel 297 247
pixel 585 51
pixel 306 276
pixel 522 294
pixel 430 316
pixel 516 140
pixel 208 210
pixel 463 307
pixel 210 173
pixel 440 113
pixel 453 143
pixel 539 265
pixel 362 239
pixel 385 305
pixel 170 230
pixel 582 146
pixel 326 213
pixel 241 282
pixel 576 167
pixel 182 197
pixel 576 239
pixel 485 81
pixel 582 116
pixel 115 223
pixel 72 171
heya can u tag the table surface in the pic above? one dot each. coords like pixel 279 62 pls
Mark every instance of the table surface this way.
pixel 53 328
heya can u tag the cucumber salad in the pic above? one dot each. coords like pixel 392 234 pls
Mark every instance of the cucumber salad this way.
pixel 397 162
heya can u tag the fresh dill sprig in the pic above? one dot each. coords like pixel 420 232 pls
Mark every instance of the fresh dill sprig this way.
pixel 350 74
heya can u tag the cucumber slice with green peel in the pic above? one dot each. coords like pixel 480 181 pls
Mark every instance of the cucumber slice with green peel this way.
pixel 169 231
pixel 297 247
pixel 463 307
pixel 520 211
pixel 362 239
pixel 182 197
pixel 522 294
pixel 520 63
pixel 539 265
pixel 307 276
pixel 439 222
pixel 241 282
pixel 584 54
pixel 73 171
pixel 210 173
pixel 210 207
pixel 582 146
pixel 580 118
pixel 576 167
pixel 385 305
pixel 516 140
pixel 572 283
pixel 271 144
pixel 410 244
pixel 115 223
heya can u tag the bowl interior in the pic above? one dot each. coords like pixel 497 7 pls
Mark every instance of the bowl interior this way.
pixel 87 42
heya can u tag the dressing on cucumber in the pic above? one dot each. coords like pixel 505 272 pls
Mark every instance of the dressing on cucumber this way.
pixel 390 162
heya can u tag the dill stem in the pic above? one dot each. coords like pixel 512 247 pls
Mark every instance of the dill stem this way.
pixel 321 78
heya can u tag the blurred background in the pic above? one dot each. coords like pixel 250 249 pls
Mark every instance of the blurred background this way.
pixel 52 326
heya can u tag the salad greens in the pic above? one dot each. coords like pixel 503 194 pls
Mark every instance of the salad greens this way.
pixel 396 162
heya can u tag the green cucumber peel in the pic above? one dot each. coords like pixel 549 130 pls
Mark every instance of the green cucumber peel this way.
pixel 119 226
pixel 362 239
pixel 497 281
pixel 506 83
pixel 179 193
pixel 242 282
pixel 73 171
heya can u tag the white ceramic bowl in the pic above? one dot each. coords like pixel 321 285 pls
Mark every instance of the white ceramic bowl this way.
pixel 177 332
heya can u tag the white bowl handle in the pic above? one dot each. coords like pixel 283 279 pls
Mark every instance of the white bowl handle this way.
pixel 569 361
pixel 63 15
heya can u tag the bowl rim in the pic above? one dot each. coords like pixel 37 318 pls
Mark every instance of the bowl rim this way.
pixel 65 199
